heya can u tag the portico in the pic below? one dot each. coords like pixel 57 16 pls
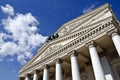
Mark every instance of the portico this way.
pixel 81 52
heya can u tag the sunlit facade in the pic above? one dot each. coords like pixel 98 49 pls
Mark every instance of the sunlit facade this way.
pixel 85 48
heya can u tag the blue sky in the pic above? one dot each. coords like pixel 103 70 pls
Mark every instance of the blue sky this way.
pixel 25 24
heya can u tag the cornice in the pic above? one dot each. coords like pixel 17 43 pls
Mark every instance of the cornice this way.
pixel 87 33
pixel 79 32
pixel 85 15
pixel 71 45
pixel 68 36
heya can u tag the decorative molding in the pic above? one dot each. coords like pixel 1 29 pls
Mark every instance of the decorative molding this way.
pixel 83 36
pixel 72 35
pixel 57 61
pixel 50 50
pixel 78 21
pixel 112 32
pixel 71 45
pixel 91 44
pixel 46 66
pixel 36 71
pixel 72 53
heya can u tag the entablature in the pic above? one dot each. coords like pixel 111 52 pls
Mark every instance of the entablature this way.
pixel 77 42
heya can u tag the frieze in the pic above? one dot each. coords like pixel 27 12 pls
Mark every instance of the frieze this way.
pixel 47 52
pixel 88 20
pixel 73 25
pixel 66 48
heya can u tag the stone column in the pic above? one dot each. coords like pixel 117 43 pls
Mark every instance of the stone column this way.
pixel 116 41
pixel 97 67
pixel 115 38
pixel 35 76
pixel 27 77
pixel 58 70
pixel 45 73
pixel 75 67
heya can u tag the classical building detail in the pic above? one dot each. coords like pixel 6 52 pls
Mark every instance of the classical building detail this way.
pixel 97 67
pixel 80 44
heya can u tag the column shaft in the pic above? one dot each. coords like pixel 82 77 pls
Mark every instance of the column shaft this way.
pixel 35 77
pixel 45 74
pixel 75 68
pixel 26 78
pixel 97 67
pixel 116 41
pixel 58 71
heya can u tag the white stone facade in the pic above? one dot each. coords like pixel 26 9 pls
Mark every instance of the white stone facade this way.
pixel 88 48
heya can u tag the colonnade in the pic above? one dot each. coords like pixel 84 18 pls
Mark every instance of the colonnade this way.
pixel 96 63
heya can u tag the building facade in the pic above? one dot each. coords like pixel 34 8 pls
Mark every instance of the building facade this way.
pixel 85 48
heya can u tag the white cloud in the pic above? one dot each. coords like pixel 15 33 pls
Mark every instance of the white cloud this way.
pixel 8 9
pixel 88 9
pixel 21 36
pixel 21 59
pixel 8 48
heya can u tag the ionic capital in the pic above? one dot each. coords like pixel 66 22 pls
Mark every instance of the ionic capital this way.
pixel 112 32
pixel 90 44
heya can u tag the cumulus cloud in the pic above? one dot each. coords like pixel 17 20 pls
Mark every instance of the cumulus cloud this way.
pixel 88 8
pixel 20 36
pixel 8 9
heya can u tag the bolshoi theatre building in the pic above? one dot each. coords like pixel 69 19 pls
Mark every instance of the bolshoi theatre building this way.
pixel 85 48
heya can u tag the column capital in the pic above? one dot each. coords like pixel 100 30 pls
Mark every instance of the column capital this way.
pixel 90 44
pixel 21 78
pixel 113 32
pixel 72 53
pixel 46 66
pixel 57 61
pixel 36 71
pixel 27 75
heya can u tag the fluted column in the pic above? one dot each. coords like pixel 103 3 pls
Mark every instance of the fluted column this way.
pixel 35 76
pixel 75 67
pixel 97 67
pixel 58 70
pixel 45 73
pixel 116 41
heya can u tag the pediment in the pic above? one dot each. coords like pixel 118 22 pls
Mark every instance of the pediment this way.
pixel 47 49
pixel 81 24
pixel 87 19
pixel 51 48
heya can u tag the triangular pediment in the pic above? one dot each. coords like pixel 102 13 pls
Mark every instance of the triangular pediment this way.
pixel 47 49
pixel 81 24
pixel 52 47
pixel 87 19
